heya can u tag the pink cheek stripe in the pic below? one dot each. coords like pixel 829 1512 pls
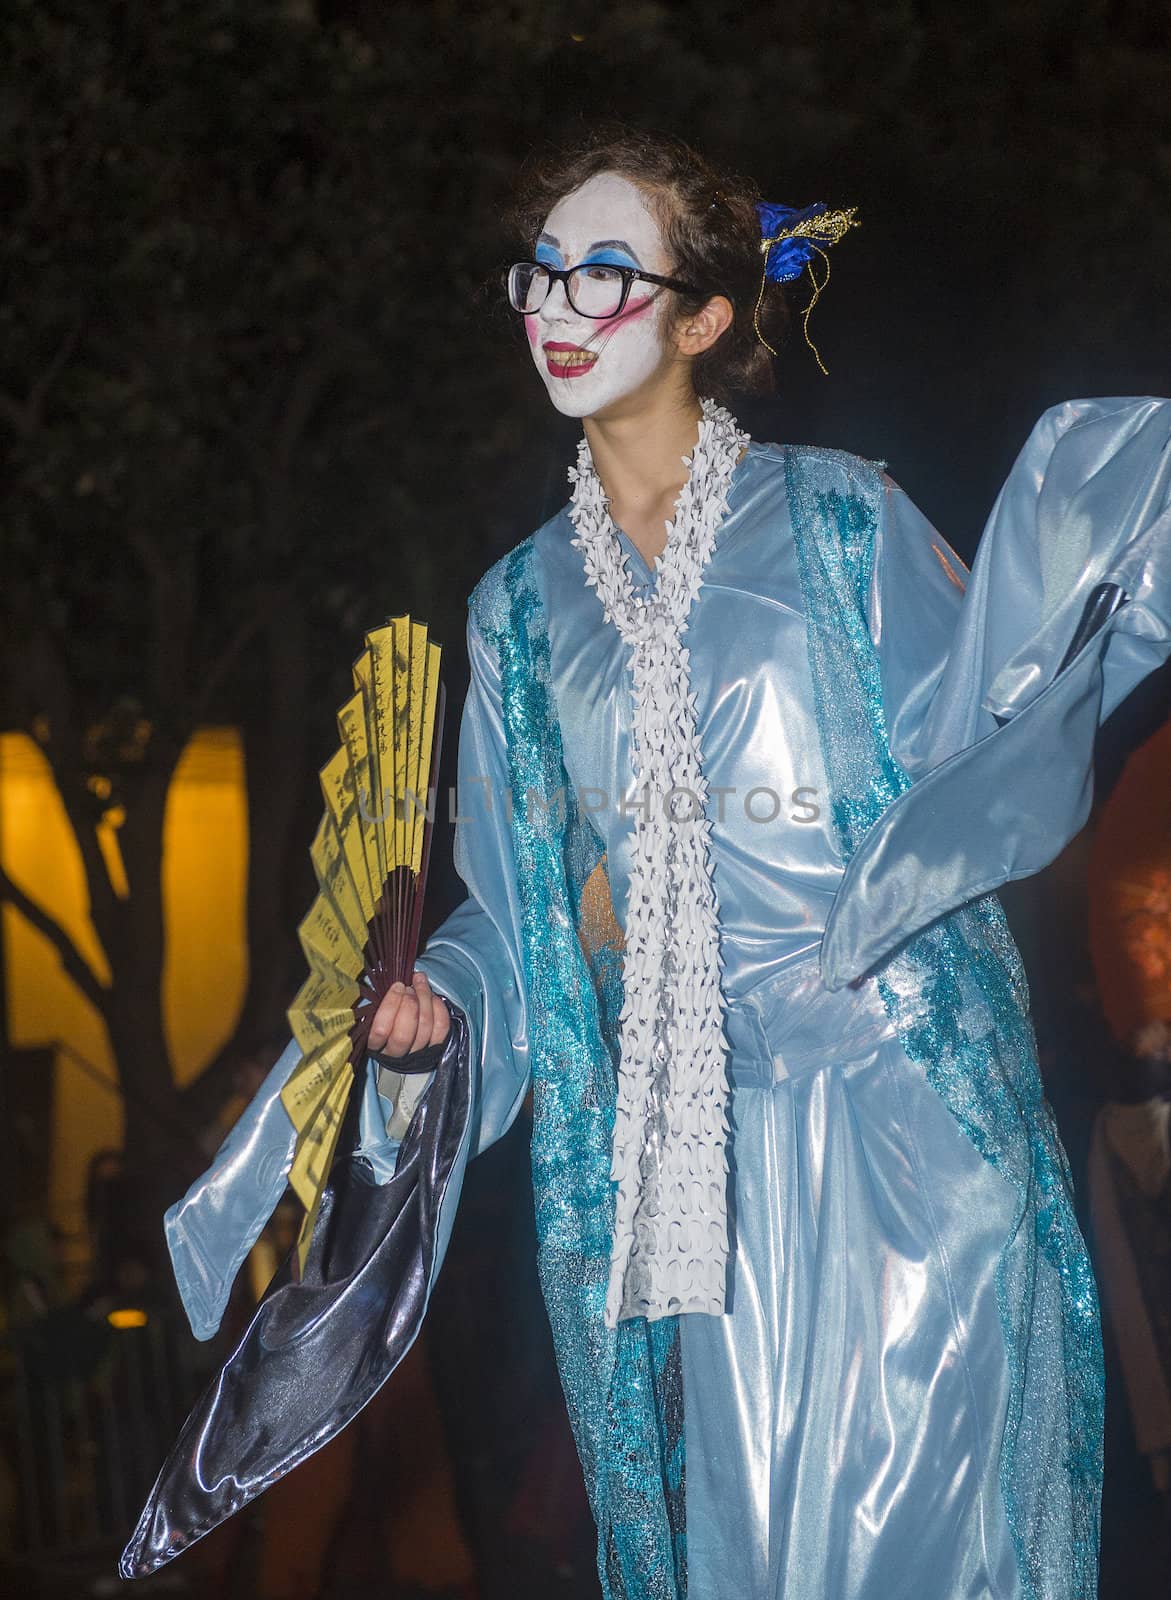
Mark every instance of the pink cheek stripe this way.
pixel 631 312
pixel 531 330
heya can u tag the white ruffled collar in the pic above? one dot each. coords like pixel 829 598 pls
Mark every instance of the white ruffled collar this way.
pixel 670 1243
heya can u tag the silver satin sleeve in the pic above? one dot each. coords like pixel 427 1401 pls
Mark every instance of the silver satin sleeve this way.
pixel 211 1229
pixel 999 740
pixel 470 960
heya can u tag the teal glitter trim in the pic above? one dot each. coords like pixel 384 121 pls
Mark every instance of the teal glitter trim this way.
pixel 958 995
pixel 623 1387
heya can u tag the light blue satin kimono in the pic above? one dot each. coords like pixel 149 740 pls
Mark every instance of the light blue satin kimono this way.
pixel 844 1421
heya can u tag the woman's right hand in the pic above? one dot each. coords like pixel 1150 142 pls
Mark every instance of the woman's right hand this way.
pixel 409 1019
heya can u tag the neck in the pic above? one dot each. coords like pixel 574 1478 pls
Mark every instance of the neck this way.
pixel 639 461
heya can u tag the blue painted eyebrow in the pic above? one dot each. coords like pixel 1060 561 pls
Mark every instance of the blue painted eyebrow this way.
pixel 611 252
pixel 611 255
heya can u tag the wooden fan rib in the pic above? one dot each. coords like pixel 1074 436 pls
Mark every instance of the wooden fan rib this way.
pixel 381 800
pixel 403 664
pixel 380 718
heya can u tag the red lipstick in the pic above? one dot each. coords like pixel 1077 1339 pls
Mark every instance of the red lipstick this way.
pixel 568 360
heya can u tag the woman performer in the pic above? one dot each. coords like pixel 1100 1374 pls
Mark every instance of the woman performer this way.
pixel 744 754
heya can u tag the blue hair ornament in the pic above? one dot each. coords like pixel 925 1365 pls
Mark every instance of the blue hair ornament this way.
pixel 791 240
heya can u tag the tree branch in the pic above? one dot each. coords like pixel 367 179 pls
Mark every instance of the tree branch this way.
pixel 275 600
pixel 74 963
pixel 202 1097
pixel 43 664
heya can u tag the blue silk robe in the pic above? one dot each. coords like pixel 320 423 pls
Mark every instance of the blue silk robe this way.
pixel 844 1422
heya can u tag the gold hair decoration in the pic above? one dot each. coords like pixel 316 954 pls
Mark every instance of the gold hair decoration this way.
pixel 817 233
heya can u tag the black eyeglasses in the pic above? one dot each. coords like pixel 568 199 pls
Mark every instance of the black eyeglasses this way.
pixel 593 289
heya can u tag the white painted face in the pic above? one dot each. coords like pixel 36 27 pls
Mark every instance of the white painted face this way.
pixel 588 363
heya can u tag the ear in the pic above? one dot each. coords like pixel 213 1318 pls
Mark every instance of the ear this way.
pixel 696 333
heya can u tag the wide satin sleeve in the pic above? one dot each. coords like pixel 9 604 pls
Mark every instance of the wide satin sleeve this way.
pixel 991 720
pixel 916 599
pixel 473 960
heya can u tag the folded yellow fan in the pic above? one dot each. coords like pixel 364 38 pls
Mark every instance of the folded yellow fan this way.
pixel 361 933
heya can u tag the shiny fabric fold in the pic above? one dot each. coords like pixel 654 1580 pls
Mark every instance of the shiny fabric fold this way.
pixel 212 1228
pixel 1003 747
pixel 319 1348
pixel 842 1422
pixel 958 997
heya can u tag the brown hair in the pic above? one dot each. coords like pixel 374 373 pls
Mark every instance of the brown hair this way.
pixel 709 224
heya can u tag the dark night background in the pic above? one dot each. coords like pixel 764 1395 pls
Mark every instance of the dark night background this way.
pixel 259 390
